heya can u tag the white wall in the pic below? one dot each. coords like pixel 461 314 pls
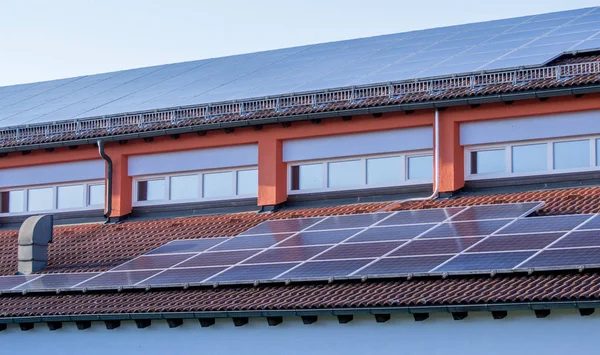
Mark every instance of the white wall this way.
pixel 564 332
pixel 52 173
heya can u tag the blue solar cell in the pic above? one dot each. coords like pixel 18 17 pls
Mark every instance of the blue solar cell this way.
pixel 593 223
pixel 391 233
pixel 588 238
pixel 564 257
pixel 511 210
pixel 435 246
pixel 120 278
pixel 251 242
pixel 351 221
pixel 404 265
pixel 219 258
pixel 325 269
pixel 277 255
pixel 282 226
pixel 485 262
pixel 421 216
pixel 466 229
pixel 252 272
pixel 153 262
pixel 55 281
pixel 319 237
pixel 359 250
pixel 8 282
pixel 182 276
pixel 516 242
pixel 187 246
pixel 545 224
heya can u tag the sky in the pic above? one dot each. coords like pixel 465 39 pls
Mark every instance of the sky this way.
pixel 43 39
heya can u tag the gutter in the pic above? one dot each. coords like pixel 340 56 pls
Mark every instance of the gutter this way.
pixel 432 104
pixel 109 181
pixel 459 308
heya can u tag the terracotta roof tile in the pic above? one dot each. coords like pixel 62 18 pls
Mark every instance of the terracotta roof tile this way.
pixel 98 247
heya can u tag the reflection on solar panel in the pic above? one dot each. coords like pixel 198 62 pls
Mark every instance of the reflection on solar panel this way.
pixel 477 239
pixel 508 43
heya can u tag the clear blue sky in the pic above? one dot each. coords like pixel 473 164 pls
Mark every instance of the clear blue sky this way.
pixel 43 39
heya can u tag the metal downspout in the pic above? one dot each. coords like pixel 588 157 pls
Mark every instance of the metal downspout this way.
pixel 109 179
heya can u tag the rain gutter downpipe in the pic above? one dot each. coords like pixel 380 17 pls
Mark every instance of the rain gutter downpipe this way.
pixel 109 178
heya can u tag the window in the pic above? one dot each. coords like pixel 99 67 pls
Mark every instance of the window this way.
pixel 218 184
pixel 184 187
pixel 196 186
pixel 66 197
pixel 345 174
pixel 40 199
pixel 247 182
pixel 151 190
pixel 487 161
pixel 572 154
pixel 356 173
pixel 96 195
pixel 71 196
pixel 530 157
pixel 533 158
pixel 384 171
pixel 420 168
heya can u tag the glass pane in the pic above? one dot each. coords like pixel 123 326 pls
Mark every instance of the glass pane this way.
pixel 96 195
pixel 15 201
pixel 184 187
pixel 218 184
pixel 384 171
pixel 247 182
pixel 572 155
pixel 151 190
pixel 531 157
pixel 346 174
pixel 311 176
pixel 598 152
pixel 40 199
pixel 420 168
pixel 487 161
pixel 70 196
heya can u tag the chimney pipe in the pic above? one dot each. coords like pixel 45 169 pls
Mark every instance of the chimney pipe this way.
pixel 34 236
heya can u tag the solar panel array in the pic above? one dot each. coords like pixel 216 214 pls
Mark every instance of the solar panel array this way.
pixel 516 42
pixel 457 240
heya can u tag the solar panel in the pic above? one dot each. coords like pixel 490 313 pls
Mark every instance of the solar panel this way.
pixel 282 226
pixel 56 281
pixel 182 276
pixel 252 272
pixel 359 250
pixel 435 246
pixel 391 233
pixel 8 282
pixel 319 237
pixel 154 262
pixel 219 258
pixel 593 223
pixel 252 241
pixel 485 261
pixel 404 265
pixel 512 210
pixel 421 216
pixel 545 224
pixel 564 258
pixel 325 269
pixel 187 246
pixel 349 221
pixel 118 278
pixel 278 255
pixel 466 229
pixel 516 242
pixel 588 238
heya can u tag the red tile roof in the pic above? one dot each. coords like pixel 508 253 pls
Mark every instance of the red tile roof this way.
pixel 98 247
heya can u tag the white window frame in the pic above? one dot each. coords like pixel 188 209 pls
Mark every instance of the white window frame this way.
pixel 363 158
pixel 549 156
pixel 25 189
pixel 167 193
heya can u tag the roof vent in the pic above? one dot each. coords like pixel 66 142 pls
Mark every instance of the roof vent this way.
pixel 34 236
